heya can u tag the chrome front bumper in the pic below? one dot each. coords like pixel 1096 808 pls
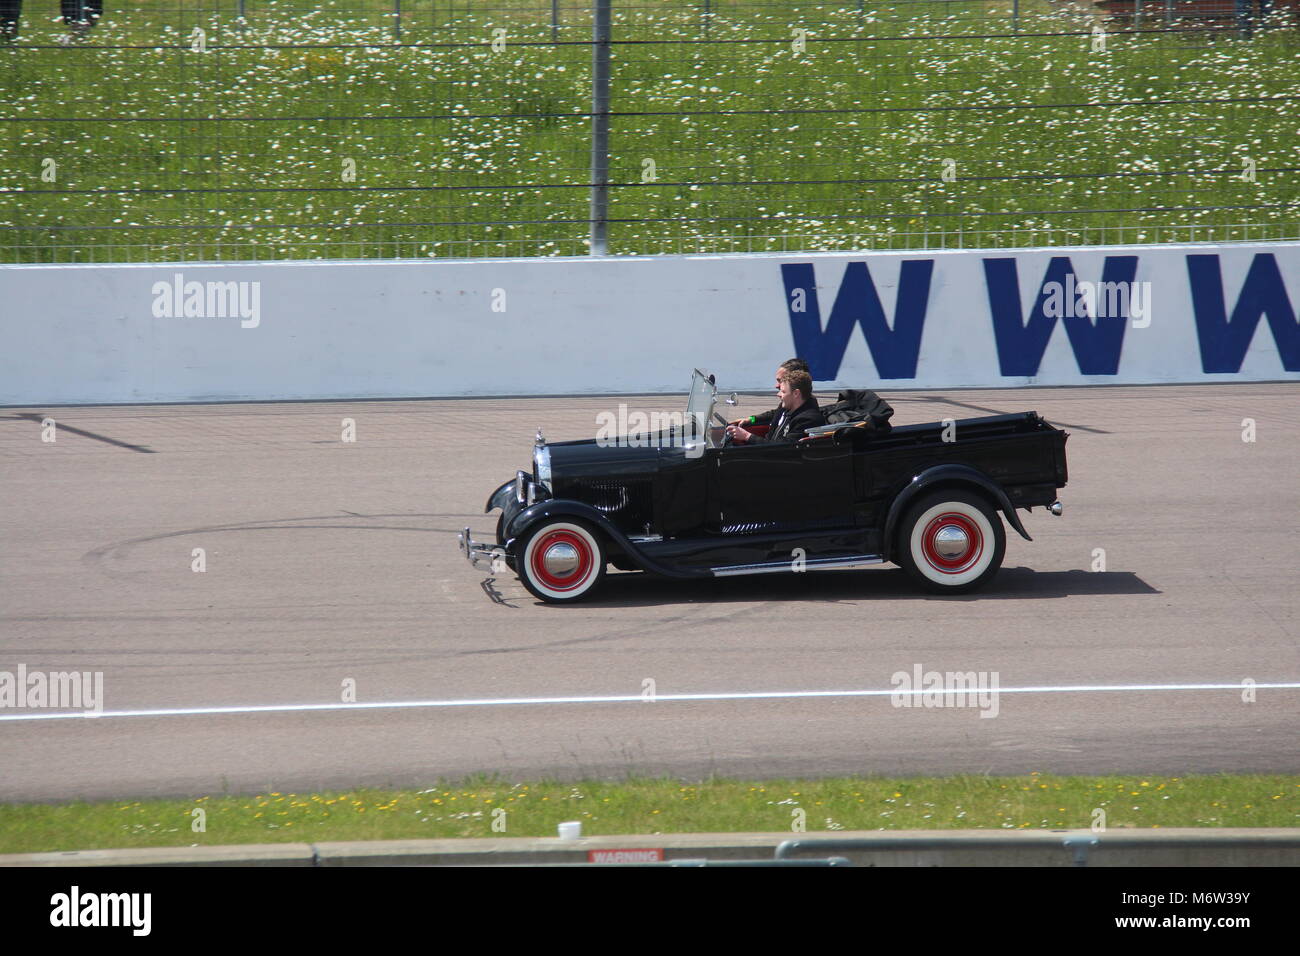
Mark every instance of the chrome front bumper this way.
pixel 481 556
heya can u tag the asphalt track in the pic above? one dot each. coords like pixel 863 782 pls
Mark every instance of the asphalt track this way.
pixel 329 561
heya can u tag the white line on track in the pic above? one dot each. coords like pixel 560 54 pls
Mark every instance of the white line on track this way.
pixel 623 699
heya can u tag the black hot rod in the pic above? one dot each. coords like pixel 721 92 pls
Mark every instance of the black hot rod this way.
pixel 683 502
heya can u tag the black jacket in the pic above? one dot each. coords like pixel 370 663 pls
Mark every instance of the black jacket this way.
pixel 860 405
pixel 791 426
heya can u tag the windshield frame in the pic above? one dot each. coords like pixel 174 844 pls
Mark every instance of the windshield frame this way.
pixel 700 402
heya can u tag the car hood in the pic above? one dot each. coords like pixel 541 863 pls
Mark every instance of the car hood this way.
pixel 592 459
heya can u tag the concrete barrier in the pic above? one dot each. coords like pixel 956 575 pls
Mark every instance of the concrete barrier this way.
pixel 89 334
pixel 263 854
pixel 1172 847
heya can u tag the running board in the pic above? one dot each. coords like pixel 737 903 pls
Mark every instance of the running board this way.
pixel 811 564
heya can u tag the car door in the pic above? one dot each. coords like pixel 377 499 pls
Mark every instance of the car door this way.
pixel 784 484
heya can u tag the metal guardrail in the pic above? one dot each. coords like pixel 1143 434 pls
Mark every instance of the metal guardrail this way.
pixel 1080 846
pixel 692 862
pixel 729 850
pixel 828 861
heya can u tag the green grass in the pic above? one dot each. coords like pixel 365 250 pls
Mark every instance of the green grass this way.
pixel 1035 165
pixel 1036 801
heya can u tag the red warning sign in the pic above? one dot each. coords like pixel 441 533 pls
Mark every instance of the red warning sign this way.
pixel 625 856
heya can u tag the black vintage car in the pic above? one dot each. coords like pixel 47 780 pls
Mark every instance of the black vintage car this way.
pixel 683 502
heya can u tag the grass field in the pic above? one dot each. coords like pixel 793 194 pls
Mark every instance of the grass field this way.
pixel 311 132
pixel 1036 801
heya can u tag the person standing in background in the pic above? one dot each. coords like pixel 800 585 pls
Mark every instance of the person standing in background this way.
pixel 9 10
pixel 78 15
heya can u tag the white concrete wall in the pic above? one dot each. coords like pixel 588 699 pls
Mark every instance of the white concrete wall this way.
pixel 373 329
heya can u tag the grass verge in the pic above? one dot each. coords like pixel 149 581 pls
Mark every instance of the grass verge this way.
pixel 642 806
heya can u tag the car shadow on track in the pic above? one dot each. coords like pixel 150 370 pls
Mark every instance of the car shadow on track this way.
pixel 637 589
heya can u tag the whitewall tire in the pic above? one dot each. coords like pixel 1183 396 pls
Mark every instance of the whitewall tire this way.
pixel 952 541
pixel 560 560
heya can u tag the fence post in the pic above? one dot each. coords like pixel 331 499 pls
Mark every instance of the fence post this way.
pixel 1015 16
pixel 599 126
pixel 555 19
pixel 397 20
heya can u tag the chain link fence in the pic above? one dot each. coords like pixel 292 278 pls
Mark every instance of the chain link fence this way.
pixel 176 131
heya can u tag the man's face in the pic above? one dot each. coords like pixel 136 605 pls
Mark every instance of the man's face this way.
pixel 785 393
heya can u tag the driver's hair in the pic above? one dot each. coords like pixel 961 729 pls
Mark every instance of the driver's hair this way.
pixel 799 380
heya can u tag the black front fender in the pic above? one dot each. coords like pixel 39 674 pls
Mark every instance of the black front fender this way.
pixel 500 497
pixel 519 524
pixel 948 475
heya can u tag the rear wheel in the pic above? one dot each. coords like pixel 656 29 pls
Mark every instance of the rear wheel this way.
pixel 952 541
pixel 560 561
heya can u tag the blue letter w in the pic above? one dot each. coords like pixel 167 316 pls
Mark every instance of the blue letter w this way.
pixel 1224 342
pixel 895 351
pixel 1021 344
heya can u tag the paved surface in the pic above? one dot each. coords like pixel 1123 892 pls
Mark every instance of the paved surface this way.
pixel 329 561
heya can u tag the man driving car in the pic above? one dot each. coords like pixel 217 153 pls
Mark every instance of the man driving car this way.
pixel 797 412
pixel 765 418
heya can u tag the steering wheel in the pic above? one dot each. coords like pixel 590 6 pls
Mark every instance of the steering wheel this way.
pixel 726 436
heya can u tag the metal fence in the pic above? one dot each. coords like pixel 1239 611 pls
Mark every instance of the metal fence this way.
pixel 415 128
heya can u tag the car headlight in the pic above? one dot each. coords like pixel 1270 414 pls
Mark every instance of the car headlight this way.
pixel 542 465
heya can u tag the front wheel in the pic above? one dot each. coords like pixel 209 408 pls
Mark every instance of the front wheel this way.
pixel 952 541
pixel 560 561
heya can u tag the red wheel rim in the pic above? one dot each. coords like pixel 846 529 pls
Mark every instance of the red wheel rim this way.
pixel 567 582
pixel 958 563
